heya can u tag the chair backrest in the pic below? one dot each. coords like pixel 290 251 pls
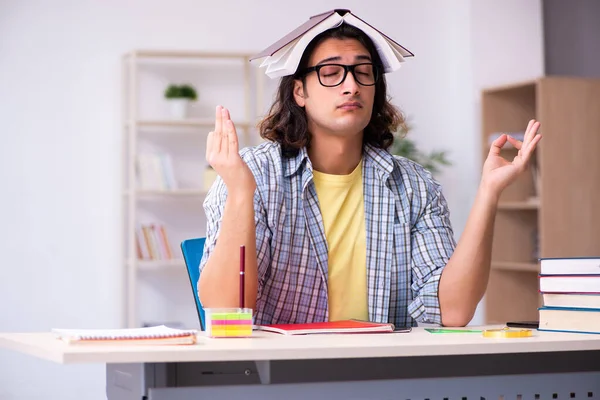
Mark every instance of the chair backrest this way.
pixel 192 250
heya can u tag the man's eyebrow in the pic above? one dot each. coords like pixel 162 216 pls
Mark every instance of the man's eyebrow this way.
pixel 335 58
pixel 338 58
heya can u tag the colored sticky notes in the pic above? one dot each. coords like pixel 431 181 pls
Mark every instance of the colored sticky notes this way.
pixel 228 322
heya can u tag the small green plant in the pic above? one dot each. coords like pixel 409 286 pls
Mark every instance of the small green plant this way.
pixel 184 91
pixel 405 147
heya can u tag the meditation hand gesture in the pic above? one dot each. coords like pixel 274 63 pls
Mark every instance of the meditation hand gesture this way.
pixel 498 173
pixel 222 153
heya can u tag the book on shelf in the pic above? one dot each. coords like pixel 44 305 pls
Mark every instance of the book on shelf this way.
pixel 495 135
pixel 346 326
pixel 154 335
pixel 154 171
pixel 283 57
pixel 536 176
pixel 152 243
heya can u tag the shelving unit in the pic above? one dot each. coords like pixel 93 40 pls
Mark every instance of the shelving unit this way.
pixel 552 210
pixel 157 290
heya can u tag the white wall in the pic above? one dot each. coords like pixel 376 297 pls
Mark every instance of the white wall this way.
pixel 506 39
pixel 60 125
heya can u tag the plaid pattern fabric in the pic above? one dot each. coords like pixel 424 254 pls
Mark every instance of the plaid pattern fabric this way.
pixel 408 231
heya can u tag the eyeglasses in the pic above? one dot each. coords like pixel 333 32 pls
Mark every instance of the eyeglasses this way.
pixel 331 75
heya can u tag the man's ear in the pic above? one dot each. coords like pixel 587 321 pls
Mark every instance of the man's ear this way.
pixel 299 92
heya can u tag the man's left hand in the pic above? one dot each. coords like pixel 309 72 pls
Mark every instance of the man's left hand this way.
pixel 498 173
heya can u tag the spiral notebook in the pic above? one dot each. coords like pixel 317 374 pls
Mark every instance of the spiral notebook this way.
pixel 154 335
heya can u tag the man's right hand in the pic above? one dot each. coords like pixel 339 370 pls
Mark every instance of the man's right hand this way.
pixel 222 153
pixel 219 283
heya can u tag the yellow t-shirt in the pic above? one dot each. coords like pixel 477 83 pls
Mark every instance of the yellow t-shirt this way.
pixel 342 206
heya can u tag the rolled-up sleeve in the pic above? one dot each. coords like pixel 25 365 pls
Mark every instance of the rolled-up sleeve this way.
pixel 432 245
pixel 214 203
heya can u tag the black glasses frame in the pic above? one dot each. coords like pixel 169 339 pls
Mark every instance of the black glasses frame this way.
pixel 350 68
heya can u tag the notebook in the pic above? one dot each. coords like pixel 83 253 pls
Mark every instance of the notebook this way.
pixel 347 326
pixel 154 335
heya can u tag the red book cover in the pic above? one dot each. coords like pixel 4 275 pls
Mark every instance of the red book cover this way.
pixel 348 326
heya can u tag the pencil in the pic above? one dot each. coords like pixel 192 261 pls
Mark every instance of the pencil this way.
pixel 242 274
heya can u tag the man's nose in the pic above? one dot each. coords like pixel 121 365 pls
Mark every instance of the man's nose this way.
pixel 349 85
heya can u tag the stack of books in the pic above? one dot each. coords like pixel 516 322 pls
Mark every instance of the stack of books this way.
pixel 570 289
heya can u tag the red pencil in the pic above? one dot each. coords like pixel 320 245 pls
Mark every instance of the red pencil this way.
pixel 242 274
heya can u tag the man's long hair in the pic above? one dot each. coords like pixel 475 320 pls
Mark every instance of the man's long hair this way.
pixel 287 124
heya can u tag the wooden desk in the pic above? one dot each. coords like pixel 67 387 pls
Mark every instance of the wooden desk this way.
pixel 416 365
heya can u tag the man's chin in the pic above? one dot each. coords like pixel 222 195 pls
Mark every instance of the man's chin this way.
pixel 351 124
pixel 345 132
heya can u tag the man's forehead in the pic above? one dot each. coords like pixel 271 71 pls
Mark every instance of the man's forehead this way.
pixel 335 49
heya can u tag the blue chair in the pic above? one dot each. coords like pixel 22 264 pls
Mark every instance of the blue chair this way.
pixel 192 250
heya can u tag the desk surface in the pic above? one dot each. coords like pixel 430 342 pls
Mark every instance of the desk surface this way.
pixel 272 346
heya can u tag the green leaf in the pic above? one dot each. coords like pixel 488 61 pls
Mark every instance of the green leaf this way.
pixel 405 147
pixel 185 91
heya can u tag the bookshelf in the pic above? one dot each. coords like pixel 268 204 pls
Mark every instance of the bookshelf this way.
pixel 165 173
pixel 551 211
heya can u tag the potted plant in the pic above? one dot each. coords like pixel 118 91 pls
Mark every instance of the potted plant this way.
pixel 405 147
pixel 179 97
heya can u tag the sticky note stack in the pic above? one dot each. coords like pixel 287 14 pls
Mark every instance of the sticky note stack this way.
pixel 228 322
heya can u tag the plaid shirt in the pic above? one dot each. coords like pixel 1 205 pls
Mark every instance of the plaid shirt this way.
pixel 408 236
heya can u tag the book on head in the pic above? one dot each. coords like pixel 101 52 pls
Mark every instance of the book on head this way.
pixel 154 335
pixel 283 57
pixel 347 326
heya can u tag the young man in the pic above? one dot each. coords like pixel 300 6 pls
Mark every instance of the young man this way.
pixel 335 227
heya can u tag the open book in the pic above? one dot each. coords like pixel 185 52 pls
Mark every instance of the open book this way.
pixel 155 335
pixel 348 326
pixel 282 57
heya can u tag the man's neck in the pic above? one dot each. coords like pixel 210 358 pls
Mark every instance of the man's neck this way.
pixel 335 155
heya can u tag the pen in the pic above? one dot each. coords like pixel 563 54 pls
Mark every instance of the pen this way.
pixel 242 274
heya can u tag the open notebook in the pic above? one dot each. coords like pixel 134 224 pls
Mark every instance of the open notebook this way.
pixel 155 335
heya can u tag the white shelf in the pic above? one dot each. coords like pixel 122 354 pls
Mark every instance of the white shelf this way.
pixel 168 193
pixel 516 266
pixel 530 204
pixel 160 265
pixel 184 123
pixel 172 55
